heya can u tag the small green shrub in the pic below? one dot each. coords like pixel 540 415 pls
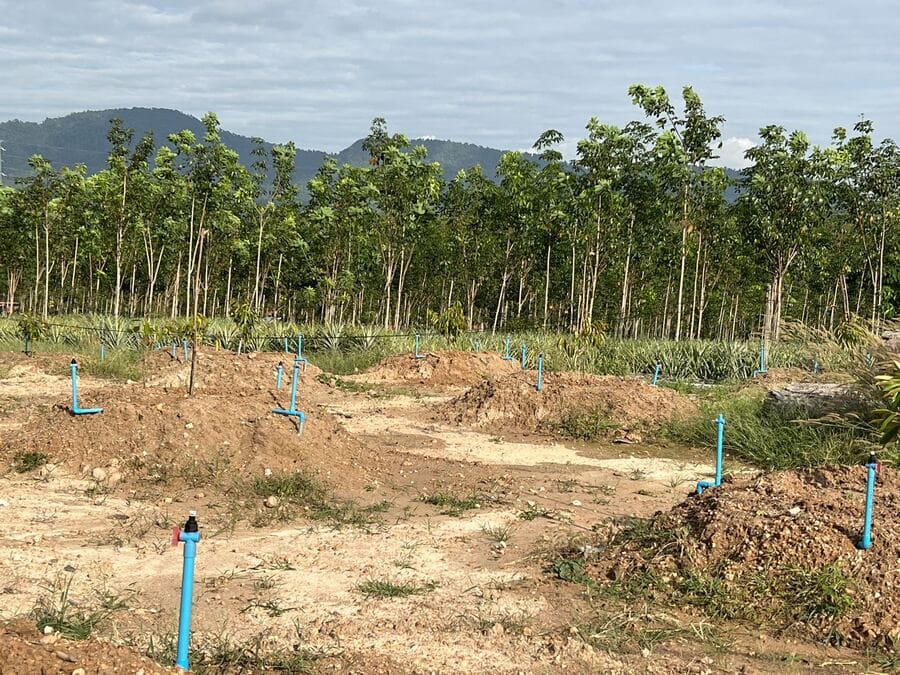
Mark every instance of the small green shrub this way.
pixel 28 461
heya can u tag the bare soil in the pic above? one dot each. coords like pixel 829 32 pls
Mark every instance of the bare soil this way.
pixel 438 369
pixel 628 406
pixel 462 520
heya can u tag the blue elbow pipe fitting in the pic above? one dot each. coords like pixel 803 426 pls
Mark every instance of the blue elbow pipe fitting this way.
pixel 292 410
pixel 76 410
pixel 720 438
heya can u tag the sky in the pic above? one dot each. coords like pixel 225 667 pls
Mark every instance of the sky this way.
pixel 493 73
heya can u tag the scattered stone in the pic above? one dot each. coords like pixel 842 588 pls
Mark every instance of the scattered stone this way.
pixel 48 630
pixel 272 501
pixel 99 474
pixel 189 425
pixel 575 502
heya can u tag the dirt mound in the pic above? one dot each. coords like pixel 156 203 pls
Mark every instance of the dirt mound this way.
pixel 23 650
pixel 776 377
pixel 147 435
pixel 622 406
pixel 438 369
pixel 779 533
pixel 220 371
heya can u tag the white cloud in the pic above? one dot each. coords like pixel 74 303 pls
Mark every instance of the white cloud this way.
pixel 731 154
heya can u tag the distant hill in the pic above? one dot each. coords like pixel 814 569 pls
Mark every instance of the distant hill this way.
pixel 80 138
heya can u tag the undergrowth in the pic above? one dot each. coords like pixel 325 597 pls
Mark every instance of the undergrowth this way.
pixel 771 440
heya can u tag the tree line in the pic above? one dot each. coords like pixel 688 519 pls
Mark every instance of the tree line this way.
pixel 635 236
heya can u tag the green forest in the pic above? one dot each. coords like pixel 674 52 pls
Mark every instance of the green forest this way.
pixel 637 236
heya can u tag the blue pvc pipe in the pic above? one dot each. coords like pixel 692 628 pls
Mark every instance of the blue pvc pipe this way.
pixel 477 345
pixel 285 345
pixel 190 540
pixel 299 345
pixel 278 374
pixel 762 358
pixel 720 437
pixel 174 352
pixel 656 374
pixel 418 354
pixel 540 368
pixel 292 410
pixel 524 355
pixel 815 367
pixel 871 471
pixel 73 366
pixel 184 349
pixel 506 356
pixel 102 352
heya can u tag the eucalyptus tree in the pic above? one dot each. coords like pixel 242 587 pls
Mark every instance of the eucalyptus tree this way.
pixel 123 171
pixel 407 190
pixel 38 192
pixel 467 209
pixel 783 202
pixel 683 147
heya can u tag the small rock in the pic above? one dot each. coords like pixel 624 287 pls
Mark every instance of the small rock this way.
pixel 167 500
pixel 48 630
pixel 575 502
pixel 78 671
pixel 51 639
pixel 65 657
pixel 3 503
pixel 794 511
pixel 645 653
pixel 99 474
pixel 201 495
pixel 114 478
pixel 189 425
pixel 272 501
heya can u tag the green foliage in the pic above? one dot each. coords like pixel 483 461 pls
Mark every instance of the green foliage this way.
pixel 450 323
pixel 31 327
pixel 28 461
pixel 770 440
pixel 452 505
pixel 888 417
pixel 379 588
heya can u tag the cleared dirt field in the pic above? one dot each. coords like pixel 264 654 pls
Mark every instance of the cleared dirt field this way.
pixel 416 524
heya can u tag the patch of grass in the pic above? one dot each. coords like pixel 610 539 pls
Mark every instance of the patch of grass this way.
pixel 651 537
pixel 342 384
pixel 222 654
pixel 117 364
pixel 379 588
pixel 271 607
pixel 74 621
pixel 534 512
pixel 497 533
pixel 826 591
pixel 452 505
pixel 24 462
pixel 586 425
pixel 767 439
pixel 513 622
pixel 341 362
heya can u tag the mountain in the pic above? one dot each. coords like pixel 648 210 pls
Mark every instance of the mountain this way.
pixel 80 138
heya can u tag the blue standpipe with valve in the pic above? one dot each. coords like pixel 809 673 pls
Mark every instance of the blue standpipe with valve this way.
pixel 292 410
pixel 189 535
pixel 418 354
pixel 76 410
pixel 540 374
pixel 279 371
pixel 656 374
pixel 507 356
pixel 872 470
pixel 720 437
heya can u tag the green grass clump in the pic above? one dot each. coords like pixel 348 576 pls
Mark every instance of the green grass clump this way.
pixel 28 461
pixel 452 505
pixel 586 425
pixel 770 440
pixel 74 622
pixel 221 653
pixel 379 588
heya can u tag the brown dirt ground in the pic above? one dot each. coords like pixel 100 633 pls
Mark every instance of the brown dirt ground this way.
pixel 438 369
pixel 25 651
pixel 776 377
pixel 492 608
pixel 514 404
pixel 778 521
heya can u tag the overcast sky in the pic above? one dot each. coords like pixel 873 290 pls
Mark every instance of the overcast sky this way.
pixel 494 73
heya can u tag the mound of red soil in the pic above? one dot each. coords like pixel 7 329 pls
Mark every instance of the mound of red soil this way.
pixel 778 523
pixel 439 369
pixel 626 406
pixel 220 371
pixel 24 651
pixel 156 434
